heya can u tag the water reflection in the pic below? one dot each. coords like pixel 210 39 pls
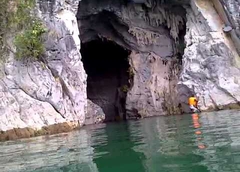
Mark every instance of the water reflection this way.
pixel 117 147
pixel 168 144
pixel 198 132
pixel 205 142
pixel 221 133
pixel 53 153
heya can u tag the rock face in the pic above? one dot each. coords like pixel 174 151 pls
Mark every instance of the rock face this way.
pixel 154 35
pixel 94 113
pixel 232 10
pixel 178 47
pixel 210 62
pixel 37 94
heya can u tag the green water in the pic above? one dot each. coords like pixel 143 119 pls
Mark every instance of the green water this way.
pixel 162 144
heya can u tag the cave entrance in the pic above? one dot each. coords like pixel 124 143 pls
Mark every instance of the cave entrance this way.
pixel 106 65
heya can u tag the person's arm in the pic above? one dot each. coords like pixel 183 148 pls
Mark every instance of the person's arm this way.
pixel 197 104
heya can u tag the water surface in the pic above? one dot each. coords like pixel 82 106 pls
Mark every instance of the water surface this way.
pixel 209 142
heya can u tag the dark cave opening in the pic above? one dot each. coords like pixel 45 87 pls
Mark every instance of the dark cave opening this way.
pixel 181 45
pixel 106 65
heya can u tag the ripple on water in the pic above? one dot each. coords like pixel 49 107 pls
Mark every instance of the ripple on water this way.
pixel 174 143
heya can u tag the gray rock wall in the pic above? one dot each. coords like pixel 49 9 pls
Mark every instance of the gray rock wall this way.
pixel 63 57
pixel 233 8
pixel 36 94
pixel 94 113
pixel 210 62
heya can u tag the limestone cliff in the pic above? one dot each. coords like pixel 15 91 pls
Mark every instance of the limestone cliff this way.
pixel 210 62
pixel 36 94
pixel 176 48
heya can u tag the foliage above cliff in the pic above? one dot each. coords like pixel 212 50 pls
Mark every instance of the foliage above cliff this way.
pixel 18 20
pixel 5 17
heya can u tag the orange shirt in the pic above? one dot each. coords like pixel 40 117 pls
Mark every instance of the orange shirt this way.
pixel 192 101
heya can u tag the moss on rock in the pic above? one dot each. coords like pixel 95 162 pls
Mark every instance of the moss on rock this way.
pixel 18 133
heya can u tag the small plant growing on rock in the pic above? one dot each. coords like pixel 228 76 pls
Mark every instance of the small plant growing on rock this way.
pixel 130 72
pixel 124 88
pixel 29 44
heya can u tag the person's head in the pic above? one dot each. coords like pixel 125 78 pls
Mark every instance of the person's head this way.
pixel 192 95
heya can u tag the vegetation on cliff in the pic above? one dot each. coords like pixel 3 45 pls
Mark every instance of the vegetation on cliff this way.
pixel 18 20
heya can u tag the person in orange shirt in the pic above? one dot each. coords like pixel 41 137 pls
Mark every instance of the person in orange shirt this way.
pixel 193 104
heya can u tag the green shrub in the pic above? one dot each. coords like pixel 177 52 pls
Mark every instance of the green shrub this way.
pixel 29 44
pixel 23 16
pixel 19 21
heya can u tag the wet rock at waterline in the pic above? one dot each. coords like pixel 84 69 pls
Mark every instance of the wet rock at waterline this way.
pixel 94 114
pixel 171 48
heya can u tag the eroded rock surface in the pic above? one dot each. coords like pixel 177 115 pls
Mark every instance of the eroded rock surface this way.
pixel 210 62
pixel 94 113
pixel 153 32
pixel 232 9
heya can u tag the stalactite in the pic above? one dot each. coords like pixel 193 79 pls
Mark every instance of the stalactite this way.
pixel 144 37
pixel 165 17
pixel 157 16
